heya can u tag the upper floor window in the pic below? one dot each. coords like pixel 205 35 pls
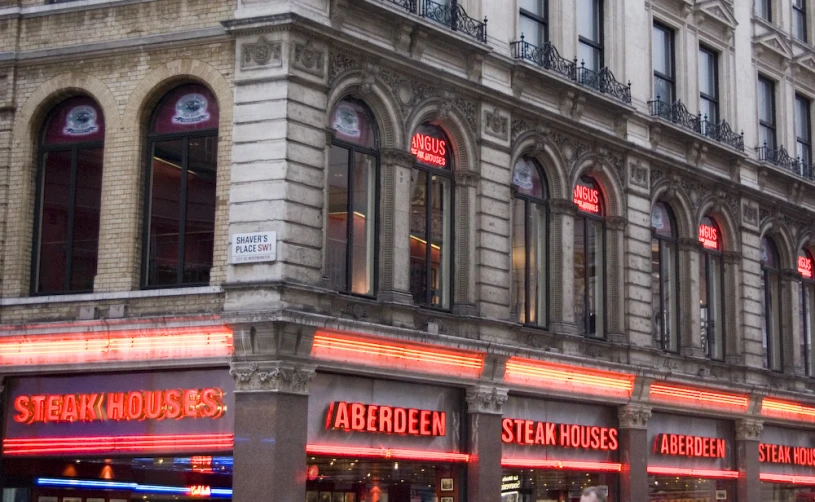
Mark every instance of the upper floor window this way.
pixel 663 61
pixel 766 112
pixel 589 259
pixel 799 19
pixel 431 214
pixel 179 230
pixel 534 21
pixel 803 132
pixel 764 9
pixel 664 278
pixel 771 304
pixel 529 243
pixel 352 199
pixel 590 29
pixel 711 279
pixel 69 194
pixel 708 85
pixel 807 308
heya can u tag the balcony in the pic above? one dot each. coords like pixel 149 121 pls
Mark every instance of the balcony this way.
pixel 548 58
pixel 677 113
pixel 780 158
pixel 449 14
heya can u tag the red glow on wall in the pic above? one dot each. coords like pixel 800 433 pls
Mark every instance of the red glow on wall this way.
pixel 117 444
pixel 568 378
pixel 200 491
pixel 358 417
pixel 587 199
pixel 787 410
pixel 530 432
pixel 698 397
pixel 429 150
pixel 385 453
pixel 692 473
pixel 679 445
pixel 386 353
pixel 805 267
pixel 566 465
pixel 124 345
pixel 709 236
pixel 786 478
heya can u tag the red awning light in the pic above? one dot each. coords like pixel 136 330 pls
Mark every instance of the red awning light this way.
pixel 698 397
pixel 401 355
pixel 788 410
pixel 569 378
pixel 118 444
pixel 786 478
pixel 385 453
pixel 566 465
pixel 692 473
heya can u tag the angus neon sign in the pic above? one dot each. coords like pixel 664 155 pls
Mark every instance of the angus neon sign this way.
pixel 429 150
pixel 709 236
pixel 587 199
pixel 805 266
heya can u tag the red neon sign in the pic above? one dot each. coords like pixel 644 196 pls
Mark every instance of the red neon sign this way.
pixel 530 432
pixel 200 491
pixel 117 406
pixel 386 453
pixel 565 377
pixel 587 199
pixel 692 473
pixel 679 445
pixel 697 397
pixel 805 267
pixel 358 417
pixel 787 478
pixel 788 410
pixel 709 236
pixel 429 150
pixel 566 465
pixel 98 444
pixel 781 454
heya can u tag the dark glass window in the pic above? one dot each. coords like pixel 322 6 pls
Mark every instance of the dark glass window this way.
pixel 590 29
pixel 708 85
pixel 589 260
pixel 529 243
pixel 534 21
pixel 431 213
pixel 807 308
pixel 664 278
pixel 352 199
pixel 803 132
pixel 771 304
pixel 711 280
pixel 69 194
pixel 764 9
pixel 663 61
pixel 799 19
pixel 180 194
pixel 766 113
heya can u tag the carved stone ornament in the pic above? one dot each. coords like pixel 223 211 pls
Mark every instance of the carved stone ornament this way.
pixel 272 376
pixel 750 214
pixel 748 429
pixel 261 54
pixel 634 417
pixel 496 125
pixel 639 175
pixel 307 58
pixel 486 400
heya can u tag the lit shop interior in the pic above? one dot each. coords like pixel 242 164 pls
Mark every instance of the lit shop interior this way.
pixel 532 485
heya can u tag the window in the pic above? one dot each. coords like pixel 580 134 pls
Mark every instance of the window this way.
pixel 799 19
pixel 771 304
pixel 431 211
pixel 711 279
pixel 529 243
pixel 803 133
pixel 69 194
pixel 708 85
pixel 664 278
pixel 590 28
pixel 807 308
pixel 766 113
pixel 764 9
pixel 180 195
pixel 534 21
pixel 352 199
pixel 589 263
pixel 663 61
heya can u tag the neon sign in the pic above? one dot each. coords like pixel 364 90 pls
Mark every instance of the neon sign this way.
pixel 119 406
pixel 358 417
pixel 530 432
pixel 200 491
pixel 429 150
pixel 805 266
pixel 587 199
pixel 780 454
pixel 709 236
pixel 679 445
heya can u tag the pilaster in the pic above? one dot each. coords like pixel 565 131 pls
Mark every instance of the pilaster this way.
pixel 734 342
pixel 634 452
pixel 561 266
pixel 614 297
pixel 394 267
pixel 484 411
pixel 690 324
pixel 791 322
pixel 463 300
pixel 748 434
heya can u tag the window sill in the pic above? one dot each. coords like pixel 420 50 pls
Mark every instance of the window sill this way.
pixel 122 295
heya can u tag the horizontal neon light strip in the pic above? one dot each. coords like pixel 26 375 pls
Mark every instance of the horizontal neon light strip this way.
pixel 568 465
pixel 692 473
pixel 771 406
pixel 787 478
pixel 555 374
pixel 117 485
pixel 388 453
pixel 700 397
pixel 125 345
pixel 95 444
pixel 327 345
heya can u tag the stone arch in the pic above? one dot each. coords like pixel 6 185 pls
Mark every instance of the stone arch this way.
pixel 441 113
pixel 548 156
pixel 774 228
pixel 599 168
pixel 389 120
pixel 806 240
pixel 680 204
pixel 713 207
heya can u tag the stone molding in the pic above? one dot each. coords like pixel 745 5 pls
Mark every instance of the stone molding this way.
pixel 396 156
pixel 633 416
pixel 748 429
pixel 686 244
pixel 272 376
pixel 616 223
pixel 562 206
pixel 731 257
pixel 486 400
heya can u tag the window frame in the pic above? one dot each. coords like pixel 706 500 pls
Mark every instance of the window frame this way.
pixel 807 319
pixel 807 141
pixel 707 256
pixel 673 242
pixel 670 79
pixel 802 12
pixel 541 20
pixel 763 80
pixel 706 97
pixel 598 46
pixel 769 319
pixel 601 219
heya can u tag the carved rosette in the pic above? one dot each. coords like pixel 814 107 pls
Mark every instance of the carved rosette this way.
pixel 486 400
pixel 308 58
pixel 496 125
pixel 262 53
pixel 748 429
pixel 272 376
pixel 634 417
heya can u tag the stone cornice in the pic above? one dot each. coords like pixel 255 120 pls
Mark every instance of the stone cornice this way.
pixel 748 429
pixel 634 416
pixel 486 400
pixel 272 376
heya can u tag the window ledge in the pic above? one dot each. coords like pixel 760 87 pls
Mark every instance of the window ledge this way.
pixel 121 295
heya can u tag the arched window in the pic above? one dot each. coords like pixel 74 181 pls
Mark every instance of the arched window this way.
pixel 69 193
pixel 589 259
pixel 352 200
pixel 664 278
pixel 180 193
pixel 529 238
pixel 431 211
pixel 807 304
pixel 771 304
pixel 711 279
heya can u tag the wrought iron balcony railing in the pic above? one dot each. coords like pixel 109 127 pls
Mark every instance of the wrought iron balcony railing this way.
pixel 678 114
pixel 781 158
pixel 449 14
pixel 549 58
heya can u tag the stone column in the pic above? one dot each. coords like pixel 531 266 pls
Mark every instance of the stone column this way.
pixel 791 322
pixel 463 298
pixel 271 416
pixel 733 342
pixel 561 266
pixel 634 452
pixel 614 290
pixel 484 412
pixel 690 322
pixel 748 433
pixel 394 266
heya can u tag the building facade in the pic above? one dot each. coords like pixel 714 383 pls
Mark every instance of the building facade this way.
pixel 407 250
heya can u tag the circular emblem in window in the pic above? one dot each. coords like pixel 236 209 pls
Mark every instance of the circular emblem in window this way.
pixel 190 109
pixel 523 176
pixel 81 121
pixel 346 121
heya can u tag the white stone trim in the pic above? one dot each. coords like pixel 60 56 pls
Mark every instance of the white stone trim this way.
pixel 121 295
